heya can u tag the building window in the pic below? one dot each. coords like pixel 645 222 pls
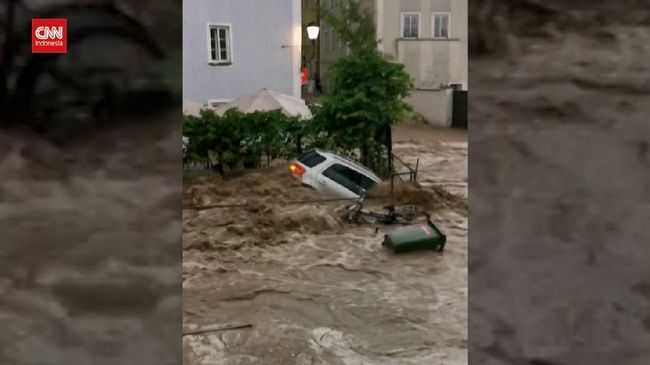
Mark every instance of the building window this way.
pixel 440 22
pixel 410 25
pixel 220 44
pixel 327 38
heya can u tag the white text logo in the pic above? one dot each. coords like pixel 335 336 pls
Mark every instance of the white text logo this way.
pixel 49 33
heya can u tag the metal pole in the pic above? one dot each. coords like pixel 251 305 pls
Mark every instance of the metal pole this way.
pixel 297 202
pixel 417 166
pixel 318 40
pixel 389 145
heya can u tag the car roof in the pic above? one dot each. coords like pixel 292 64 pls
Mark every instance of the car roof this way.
pixel 348 161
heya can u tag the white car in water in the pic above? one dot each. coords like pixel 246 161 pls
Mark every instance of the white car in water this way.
pixel 332 175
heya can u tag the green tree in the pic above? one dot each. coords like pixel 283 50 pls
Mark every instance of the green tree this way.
pixel 354 26
pixel 367 92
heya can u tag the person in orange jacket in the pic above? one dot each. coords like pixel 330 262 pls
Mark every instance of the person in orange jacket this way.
pixel 304 76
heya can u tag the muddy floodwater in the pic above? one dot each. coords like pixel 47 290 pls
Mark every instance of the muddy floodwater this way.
pixel 89 248
pixel 317 290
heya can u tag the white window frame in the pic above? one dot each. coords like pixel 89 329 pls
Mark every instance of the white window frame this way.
pixel 230 59
pixel 401 25
pixel 433 25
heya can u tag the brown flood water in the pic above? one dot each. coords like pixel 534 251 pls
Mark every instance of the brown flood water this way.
pixel 317 290
pixel 89 254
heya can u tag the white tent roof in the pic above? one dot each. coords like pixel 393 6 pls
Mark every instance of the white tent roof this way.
pixel 266 100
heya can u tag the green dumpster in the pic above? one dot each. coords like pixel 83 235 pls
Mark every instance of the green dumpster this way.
pixel 425 236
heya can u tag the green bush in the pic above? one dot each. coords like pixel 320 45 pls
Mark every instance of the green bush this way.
pixel 367 96
pixel 237 140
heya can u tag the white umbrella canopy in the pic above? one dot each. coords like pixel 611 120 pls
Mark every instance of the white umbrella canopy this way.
pixel 266 100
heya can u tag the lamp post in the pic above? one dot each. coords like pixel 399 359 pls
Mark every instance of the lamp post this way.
pixel 312 34
pixel 318 41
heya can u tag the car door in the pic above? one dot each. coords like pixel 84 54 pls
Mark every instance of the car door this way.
pixel 335 181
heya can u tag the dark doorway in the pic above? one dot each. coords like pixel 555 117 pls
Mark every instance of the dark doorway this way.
pixel 459 108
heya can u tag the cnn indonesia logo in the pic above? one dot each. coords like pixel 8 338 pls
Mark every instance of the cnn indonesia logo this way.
pixel 49 36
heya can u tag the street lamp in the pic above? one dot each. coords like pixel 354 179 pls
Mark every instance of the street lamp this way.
pixel 312 34
pixel 312 31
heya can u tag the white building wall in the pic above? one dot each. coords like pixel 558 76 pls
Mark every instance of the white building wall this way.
pixel 260 29
pixel 434 105
pixel 434 64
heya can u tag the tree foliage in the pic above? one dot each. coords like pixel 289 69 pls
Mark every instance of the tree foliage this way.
pixel 354 26
pixel 367 91
pixel 237 140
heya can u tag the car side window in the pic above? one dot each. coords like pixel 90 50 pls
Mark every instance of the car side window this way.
pixel 345 177
pixel 360 179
